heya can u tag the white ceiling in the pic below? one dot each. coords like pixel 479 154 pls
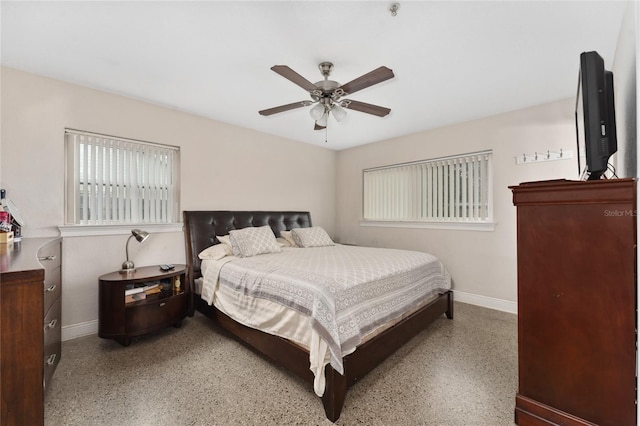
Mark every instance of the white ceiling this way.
pixel 453 61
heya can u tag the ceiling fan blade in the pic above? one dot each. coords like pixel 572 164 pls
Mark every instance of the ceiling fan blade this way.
pixel 317 127
pixel 364 107
pixel 283 108
pixel 294 77
pixel 374 77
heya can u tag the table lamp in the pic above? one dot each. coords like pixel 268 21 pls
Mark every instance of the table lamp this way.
pixel 141 237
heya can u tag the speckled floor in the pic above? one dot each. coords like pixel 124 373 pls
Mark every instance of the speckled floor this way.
pixel 458 372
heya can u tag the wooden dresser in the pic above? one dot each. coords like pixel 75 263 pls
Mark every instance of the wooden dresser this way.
pixel 30 327
pixel 576 302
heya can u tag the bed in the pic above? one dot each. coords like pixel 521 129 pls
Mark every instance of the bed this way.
pixel 369 349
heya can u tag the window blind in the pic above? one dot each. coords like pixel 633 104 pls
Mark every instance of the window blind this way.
pixel 113 180
pixel 450 189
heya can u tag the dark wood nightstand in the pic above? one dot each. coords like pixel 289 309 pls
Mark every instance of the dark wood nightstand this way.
pixel 137 303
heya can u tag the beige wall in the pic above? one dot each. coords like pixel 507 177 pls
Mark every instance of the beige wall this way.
pixel 228 167
pixel 223 167
pixel 482 264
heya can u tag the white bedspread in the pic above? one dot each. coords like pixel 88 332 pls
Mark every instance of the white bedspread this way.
pixel 267 316
pixel 345 291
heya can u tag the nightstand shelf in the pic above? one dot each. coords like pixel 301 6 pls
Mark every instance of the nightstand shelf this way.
pixel 122 320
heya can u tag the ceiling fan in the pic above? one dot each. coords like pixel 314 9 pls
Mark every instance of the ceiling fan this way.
pixel 327 94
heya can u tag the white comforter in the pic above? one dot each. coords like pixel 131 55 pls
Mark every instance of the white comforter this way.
pixel 344 291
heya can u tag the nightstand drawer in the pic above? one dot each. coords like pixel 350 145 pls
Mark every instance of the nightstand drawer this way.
pixel 151 316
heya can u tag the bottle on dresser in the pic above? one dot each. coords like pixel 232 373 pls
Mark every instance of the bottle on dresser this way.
pixel 10 215
pixel 6 234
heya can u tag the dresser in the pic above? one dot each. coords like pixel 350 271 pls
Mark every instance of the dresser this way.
pixel 576 302
pixel 30 327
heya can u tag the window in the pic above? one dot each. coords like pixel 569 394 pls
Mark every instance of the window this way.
pixel 113 180
pixel 450 189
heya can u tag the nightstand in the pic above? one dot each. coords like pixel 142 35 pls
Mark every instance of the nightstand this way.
pixel 141 302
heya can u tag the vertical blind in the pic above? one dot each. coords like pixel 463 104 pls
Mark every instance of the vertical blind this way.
pixel 116 181
pixel 450 189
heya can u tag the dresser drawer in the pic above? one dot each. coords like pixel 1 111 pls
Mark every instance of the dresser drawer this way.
pixel 52 340
pixel 50 258
pixel 52 287
pixel 151 316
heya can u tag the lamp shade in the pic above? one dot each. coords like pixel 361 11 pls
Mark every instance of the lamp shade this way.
pixel 338 112
pixel 322 121
pixel 140 236
pixel 317 111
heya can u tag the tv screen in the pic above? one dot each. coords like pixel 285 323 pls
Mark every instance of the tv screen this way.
pixel 595 117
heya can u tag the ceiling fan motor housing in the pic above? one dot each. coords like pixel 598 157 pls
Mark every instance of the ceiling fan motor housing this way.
pixel 327 86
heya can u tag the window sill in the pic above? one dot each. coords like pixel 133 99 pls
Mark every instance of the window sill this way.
pixel 457 226
pixel 123 229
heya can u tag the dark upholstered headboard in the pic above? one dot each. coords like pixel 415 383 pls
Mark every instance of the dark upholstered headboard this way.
pixel 201 228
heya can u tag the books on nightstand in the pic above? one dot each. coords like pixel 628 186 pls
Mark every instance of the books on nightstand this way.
pixel 139 293
pixel 128 298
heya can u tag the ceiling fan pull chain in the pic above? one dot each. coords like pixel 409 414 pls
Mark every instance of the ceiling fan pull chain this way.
pixel 326 133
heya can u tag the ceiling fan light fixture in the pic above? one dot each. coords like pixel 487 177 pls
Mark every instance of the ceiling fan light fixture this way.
pixel 317 111
pixel 322 121
pixel 338 112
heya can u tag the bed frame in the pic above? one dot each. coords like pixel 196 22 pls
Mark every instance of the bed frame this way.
pixel 201 227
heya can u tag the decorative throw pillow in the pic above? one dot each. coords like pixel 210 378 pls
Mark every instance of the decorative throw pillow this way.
pixel 251 241
pixel 215 252
pixel 288 237
pixel 311 237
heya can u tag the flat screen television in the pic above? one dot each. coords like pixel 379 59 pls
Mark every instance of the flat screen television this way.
pixel 595 117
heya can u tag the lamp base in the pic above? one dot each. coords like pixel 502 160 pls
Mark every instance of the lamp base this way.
pixel 127 267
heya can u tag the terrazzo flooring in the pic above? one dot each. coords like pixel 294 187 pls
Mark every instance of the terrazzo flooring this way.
pixel 457 372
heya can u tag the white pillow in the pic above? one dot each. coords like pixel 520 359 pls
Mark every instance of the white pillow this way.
pixel 224 239
pixel 216 252
pixel 288 237
pixel 283 242
pixel 251 241
pixel 311 237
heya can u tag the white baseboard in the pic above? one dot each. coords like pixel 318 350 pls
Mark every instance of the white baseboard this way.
pixel 486 302
pixel 82 329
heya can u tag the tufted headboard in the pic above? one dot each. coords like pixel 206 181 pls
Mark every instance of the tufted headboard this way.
pixel 201 228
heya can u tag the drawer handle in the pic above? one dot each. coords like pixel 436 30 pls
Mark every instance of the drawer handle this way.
pixel 51 324
pixel 51 359
pixel 52 257
pixel 50 289
pixel 162 304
